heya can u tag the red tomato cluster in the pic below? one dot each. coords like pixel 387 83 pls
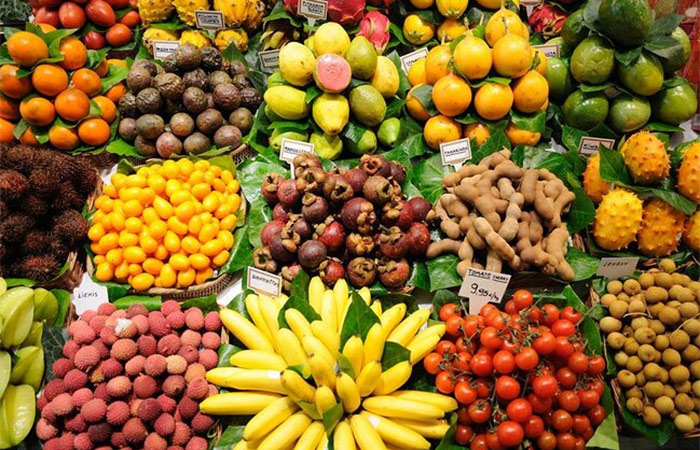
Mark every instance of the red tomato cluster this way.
pixel 107 22
pixel 519 374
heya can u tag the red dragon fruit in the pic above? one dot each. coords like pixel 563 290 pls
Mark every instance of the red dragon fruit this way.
pixel 384 3
pixel 345 12
pixel 375 27
pixel 547 20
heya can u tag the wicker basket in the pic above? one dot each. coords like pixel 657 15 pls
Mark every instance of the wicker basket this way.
pixel 242 153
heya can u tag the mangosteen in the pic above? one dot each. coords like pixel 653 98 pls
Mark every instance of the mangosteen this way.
pixel 127 105
pixel 241 81
pixel 420 208
pixel 375 165
pixel 311 254
pixel 211 59
pixel 196 78
pixel 195 100
pixel 168 144
pixel 218 77
pixel 359 245
pixel 242 118
pixel 301 227
pixel 288 194
pixel 250 97
pixel 262 259
pixel 356 177
pixel 393 274
pixel 128 130
pixel 394 243
pixel 279 252
pixel 289 273
pixel 331 270
pixel 337 189
pixel 397 213
pixel 150 126
pixel 182 124
pixel 398 173
pixel 170 86
pixel 173 107
pixel 138 79
pixel 331 233
pixel 144 146
pixel 170 64
pixel 377 189
pixel 358 215
pixel 311 180
pixel 227 96
pixel 305 161
pixel 314 208
pixel 279 213
pixel 228 135
pixel 209 120
pixel 419 235
pixel 149 101
pixel 236 68
pixel 147 64
pixel 188 56
pixel 269 187
pixel 270 229
pixel 197 143
pixel 361 272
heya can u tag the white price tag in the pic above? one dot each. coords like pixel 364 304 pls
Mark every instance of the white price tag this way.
pixel 290 149
pixel 614 268
pixel 269 60
pixel 530 5
pixel 549 50
pixel 482 287
pixel 313 10
pixel 696 122
pixel 589 145
pixel 456 153
pixel 88 295
pixel 163 49
pixel 409 59
pixel 264 283
pixel 210 20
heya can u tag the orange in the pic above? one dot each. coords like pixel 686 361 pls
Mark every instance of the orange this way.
pixel 6 127
pixel 11 85
pixel 415 107
pixel 416 74
pixel 440 129
pixel 9 109
pixel 37 111
pixel 87 81
pixel 452 95
pixel 74 53
pixel 539 59
pixel 28 137
pixel 26 48
pixel 72 104
pixel 477 131
pixel 530 92
pixel 49 79
pixel 63 138
pixel 94 132
pixel 436 63
pixel 518 136
pixel 116 92
pixel 102 69
pixel 493 101
pixel 109 111
pixel 46 27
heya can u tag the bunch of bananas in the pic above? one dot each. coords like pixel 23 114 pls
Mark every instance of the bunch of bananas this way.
pixel 291 379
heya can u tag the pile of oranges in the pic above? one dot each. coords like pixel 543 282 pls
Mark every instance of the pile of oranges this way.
pixel 55 99
pixel 168 225
pixel 491 75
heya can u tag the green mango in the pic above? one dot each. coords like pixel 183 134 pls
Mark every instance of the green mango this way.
pixel 366 144
pixel 5 370
pixel 277 136
pixel 17 311
pixel 45 305
pixel 35 334
pixel 19 409
pixel 29 368
pixel 326 146
pixel 389 132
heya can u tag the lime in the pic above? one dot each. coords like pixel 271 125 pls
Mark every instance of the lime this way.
pixel 644 76
pixel 593 61
pixel 628 113
pixel 585 110
pixel 559 79
pixel 626 22
pixel 677 61
pixel 574 29
pixel 676 104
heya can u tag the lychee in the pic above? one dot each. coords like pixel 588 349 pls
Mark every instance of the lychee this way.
pixel 181 435
pixel 174 386
pixel 155 365
pixel 62 405
pixel 141 324
pixel 108 336
pixel 157 324
pixel 197 388
pixel 70 348
pixel 106 309
pixel 201 423
pixel 135 365
pixel 118 440
pixel 101 347
pixel 190 354
pixel 136 309
pixel 191 338
pixel 149 410
pixel 86 358
pixel 76 424
pixel 82 396
pixel 208 358
pixel 176 364
pixel 145 387
pixel 176 319
pixel 164 425
pixel 117 413
pixel 169 345
pixel 195 370
pixel 211 340
pixel 82 442
pixel 147 345
pixel 169 306
pixel 94 410
pixel 212 322
pixel 187 408
pixel 81 332
pixel 46 431
pixel 101 392
pixel 194 319
pixel 197 443
pixel 154 442
pixel 124 349
pixel 53 388
pixel 167 404
pixel 97 323
pixel 119 386
pixel 134 431
pixel 99 432
pixel 61 367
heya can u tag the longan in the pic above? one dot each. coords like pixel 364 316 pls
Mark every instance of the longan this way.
pixel 664 405
pixel 614 287
pixel 644 335
pixel 688 310
pixel 663 280
pixel 646 280
pixel 653 389
pixel 639 322
pixel 679 374
pixel 641 379
pixel 610 324
pixel 683 423
pixel 632 287
pixel 671 357
pixel 692 327
pixel 646 353
pixel 669 391
pixel 618 309
pixel 652 372
pixel 634 405
pixel 615 340
pixel 661 342
pixel 655 294
pixel 651 416
pixel 634 364
pixel 667 265
pixel 669 315
pixel 691 353
pixel 631 346
pixel 634 392
pixel 607 299
pixel 680 278
pixel 621 358
pixel 657 325
pixel 655 309
pixel 624 297
pixel 679 339
pixel 683 403
pixel 694 286
pixel 695 369
pixel 626 378
pixel 636 306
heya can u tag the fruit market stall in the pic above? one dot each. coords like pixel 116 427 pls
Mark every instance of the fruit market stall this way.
pixel 349 224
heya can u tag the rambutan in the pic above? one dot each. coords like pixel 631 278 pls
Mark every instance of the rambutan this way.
pixel 147 345
pixel 145 387
pixel 67 198
pixel 194 319
pixel 13 185
pixel 35 206
pixel 119 386
pixel 174 386
pixel 164 425
pixel 70 226
pixel 124 349
pixel 168 345
pixel 211 340
pixel 46 431
pixel 208 358
pixel 158 324
pixel 43 182
pixel 39 268
pixel 86 181
pixel 15 227
pixel 74 380
pixel 94 410
pixel 134 431
pixel 118 413
pixel 36 242
pixel 212 322
pixel 198 388
pixel 149 410
pixel 176 364
pixel 86 358
pixel 54 388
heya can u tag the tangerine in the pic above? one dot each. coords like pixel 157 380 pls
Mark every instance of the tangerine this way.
pixel 116 92
pixel 518 136
pixel 46 27
pixel 477 131
pixel 28 137
pixel 440 129
pixel 38 111
pixel 512 56
pixel 539 61
pixel 436 63
pixel 87 81
pixel 109 110
pixel 72 104
pixel 49 79
pixel 530 92
pixel 415 107
pixel 473 57
pixel 102 69
pixel 9 109
pixel 74 53
pixel 12 85
pixel 493 100
pixel 6 127
pixel 94 132
pixel 26 48
pixel 63 138
pixel 452 95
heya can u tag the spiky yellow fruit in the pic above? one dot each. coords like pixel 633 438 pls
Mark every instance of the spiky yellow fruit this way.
pixel 196 38
pixel 646 158
pixel 662 225
pixel 691 234
pixel 256 12
pixel 152 11
pixel 689 173
pixel 617 220
pixel 235 11
pixel 593 184
pixel 156 34
pixel 224 38
pixel 186 8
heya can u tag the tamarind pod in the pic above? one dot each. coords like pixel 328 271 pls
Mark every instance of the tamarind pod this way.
pixel 496 242
pixel 544 206
pixel 465 252
pixel 316 290
pixel 493 261
pixel 527 185
pixel 438 248
pixel 298 323
pixel 463 267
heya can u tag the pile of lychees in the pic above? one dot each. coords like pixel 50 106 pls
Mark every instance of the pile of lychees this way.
pixel 132 379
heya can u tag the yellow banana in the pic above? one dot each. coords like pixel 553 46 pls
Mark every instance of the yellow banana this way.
pixel 431 429
pixel 393 378
pixel 353 351
pixel 279 301
pixel 389 406
pixel 297 387
pixel 365 435
pixel 287 433
pixel 244 445
pixel 374 344
pixel 258 359
pixel 237 403
pixel 269 418
pixel 298 323
pixel 342 437
pixel 395 434
pixel 323 443
pixel 325 399
pixel 421 347
pixel 404 332
pixel 444 402
pixel 368 378
pixel 348 392
pixel 437 329
pixel 316 290
pixel 311 437
pixel 330 338
pixel 322 371
pixel 376 306
pixel 252 305
pixel 269 313
pixel 245 331
pixel 392 317
pixel 313 346
pixel 342 301
pixel 365 294
pixel 247 379
pixel 292 351
pixel 329 310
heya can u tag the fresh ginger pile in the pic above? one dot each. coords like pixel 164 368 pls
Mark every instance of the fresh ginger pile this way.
pixel 507 213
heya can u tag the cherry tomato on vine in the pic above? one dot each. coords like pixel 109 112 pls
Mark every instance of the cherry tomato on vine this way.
pixel 545 343
pixel 566 441
pixel 522 299
pixel 535 314
pixel 431 362
pixel 510 433
pixel 507 388
pixel 463 434
pixel 563 327
pixel 569 401
pixel 489 338
pixel 527 359
pixel 596 415
pixel 534 427
pixel 545 386
pixel 539 405
pixel 562 420
pixel 463 415
pixel 446 347
pixel 464 393
pixel 578 362
pixel 596 365
pixel 481 365
pixel 570 314
pixel 547 441
pixel 480 411
pixel 444 382
pixel 471 324
pixel 510 307
pixel 488 309
pixel 483 387
pixel 461 361
pixel 496 320
pixel 589 398
pixel 550 314
pixel 564 347
pixel 453 325
pixel 479 443
pixel 493 442
pixel 519 410
pixel 566 378
pixel 461 345
pixel 581 423
pixel 448 310
pixel 504 362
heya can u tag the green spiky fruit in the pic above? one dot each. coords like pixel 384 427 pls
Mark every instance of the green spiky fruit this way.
pixel 186 8
pixel 594 186
pixel 617 220
pixel 154 10
pixel 689 173
pixel 661 226
pixel 646 158
pixel 691 234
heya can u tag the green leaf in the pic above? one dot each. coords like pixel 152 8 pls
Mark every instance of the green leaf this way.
pixel 300 305
pixel 674 199
pixel 358 320
pixel 311 93
pixel 404 84
pixel 448 441
pixel 300 286
pixel 585 266
pixel 206 304
pixel 393 354
pixel 496 142
pixel 443 272
pixel 660 435
pixel 571 137
pixel 419 277
pixel 115 75
pixel 52 339
pixel 665 47
pixel 123 148
pixel 260 214
pixel 662 127
pixel 345 366
pixel 665 24
pixel 612 166
pixel 310 410
pixel 13 282
pixel 424 95
pixel 628 57
pixel 332 417
pixel 63 298
pixel 231 436
pixel 151 303
pixel 20 128
pixel 251 173
pixel 497 80
pixel 237 303
pixel 226 351
pixel 427 177
pixel 534 122
pixel 582 210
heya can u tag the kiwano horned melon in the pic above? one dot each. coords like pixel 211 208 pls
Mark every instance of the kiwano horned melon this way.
pixel 689 173
pixel 154 10
pixel 617 220
pixel 646 158
pixel 691 234
pixel 186 8
pixel 594 186
pixel 661 227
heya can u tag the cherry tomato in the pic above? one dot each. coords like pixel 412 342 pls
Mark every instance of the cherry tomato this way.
pixel 539 405
pixel 581 423
pixel 578 362
pixel 481 365
pixel 431 362
pixel 463 416
pixel 510 347
pixel 446 347
pixel 579 443
pixel 564 348
pixel 550 314
pixel 562 420
pixel 461 361
pixel 480 411
pixel 489 338
pixel 464 393
pixel 596 415
pixel 545 343
pixel 587 434
pixel 569 401
pixel 534 427
pixel 510 433
pixel 507 388
pixel 448 310
pixel 597 385
pixel 487 309
pixel 566 441
pixel 522 299
pixel 444 382
pixel 566 378
pixel 504 362
pixel 496 320
pixel 510 307
pixel 479 443
pixel 493 442
pixel 461 345
pixel 519 410
pixel 589 398
pixel 545 386
pixel 535 314
pixel 563 327
pixel 596 365
pixel 471 324
pixel 483 387
pixel 572 315
pixel 453 325
pixel 547 441
pixel 463 434
pixel 527 359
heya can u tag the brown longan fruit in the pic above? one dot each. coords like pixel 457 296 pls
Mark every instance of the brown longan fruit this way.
pixel 634 392
pixel 646 280
pixel 607 299
pixel 641 379
pixel 683 403
pixel 614 287
pixel 618 309
pixel 634 364
pixel 663 375
pixel 634 405
pixel 651 416
pixel 610 324
pixel 669 315
pixel 693 415
pixel 664 405
pixel 652 372
pixel 644 335
pixel 694 286
pixel 695 387
pixel 631 346
pixel 679 339
pixel 667 265
pixel 615 340
pixel 661 342
pixel 655 309
pixel 653 389
pixel 626 378
pixel 669 391
pixel 683 423
pixel 679 374
pixel 671 357
pixel 657 325
pixel 632 287
pixel 663 280
pixel 692 327
pixel 655 294
pixel 647 353
pixel 689 309
pixel 685 295
pixel 683 388
pixel 637 306
pixel 680 278
pixel 621 358
pixel 691 353
pixel 639 322
pixel 624 297
pixel 695 369
pixel 674 291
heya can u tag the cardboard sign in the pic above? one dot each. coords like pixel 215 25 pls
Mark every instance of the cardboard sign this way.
pixel 614 268
pixel 313 9
pixel 455 153
pixel 269 60
pixel 264 283
pixel 88 295
pixel 589 145
pixel 409 59
pixel 163 49
pixel 549 50
pixel 210 20
pixel 290 149
pixel 482 287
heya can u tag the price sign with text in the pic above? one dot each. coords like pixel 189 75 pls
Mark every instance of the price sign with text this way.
pixel 614 268
pixel 209 20
pixel 409 59
pixel 456 153
pixel 589 145
pixel 549 50
pixel 264 283
pixel 313 9
pixel 269 60
pixel 290 149
pixel 163 49
pixel 482 287
pixel 88 295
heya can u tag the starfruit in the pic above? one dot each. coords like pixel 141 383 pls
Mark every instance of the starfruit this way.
pixel 17 412
pixel 45 306
pixel 17 311
pixel 29 368
pixel 34 336
pixel 5 369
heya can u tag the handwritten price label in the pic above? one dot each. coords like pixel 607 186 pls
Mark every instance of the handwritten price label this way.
pixel 88 295
pixel 614 268
pixel 290 149
pixel 163 49
pixel 456 153
pixel 549 50
pixel 482 287
pixel 590 145
pixel 209 20
pixel 409 59
pixel 269 60
pixel 264 283
pixel 313 10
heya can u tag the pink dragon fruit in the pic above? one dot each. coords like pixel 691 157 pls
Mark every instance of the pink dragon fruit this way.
pixel 375 27
pixel 345 12
pixel 291 6
pixel 384 3
pixel 547 20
